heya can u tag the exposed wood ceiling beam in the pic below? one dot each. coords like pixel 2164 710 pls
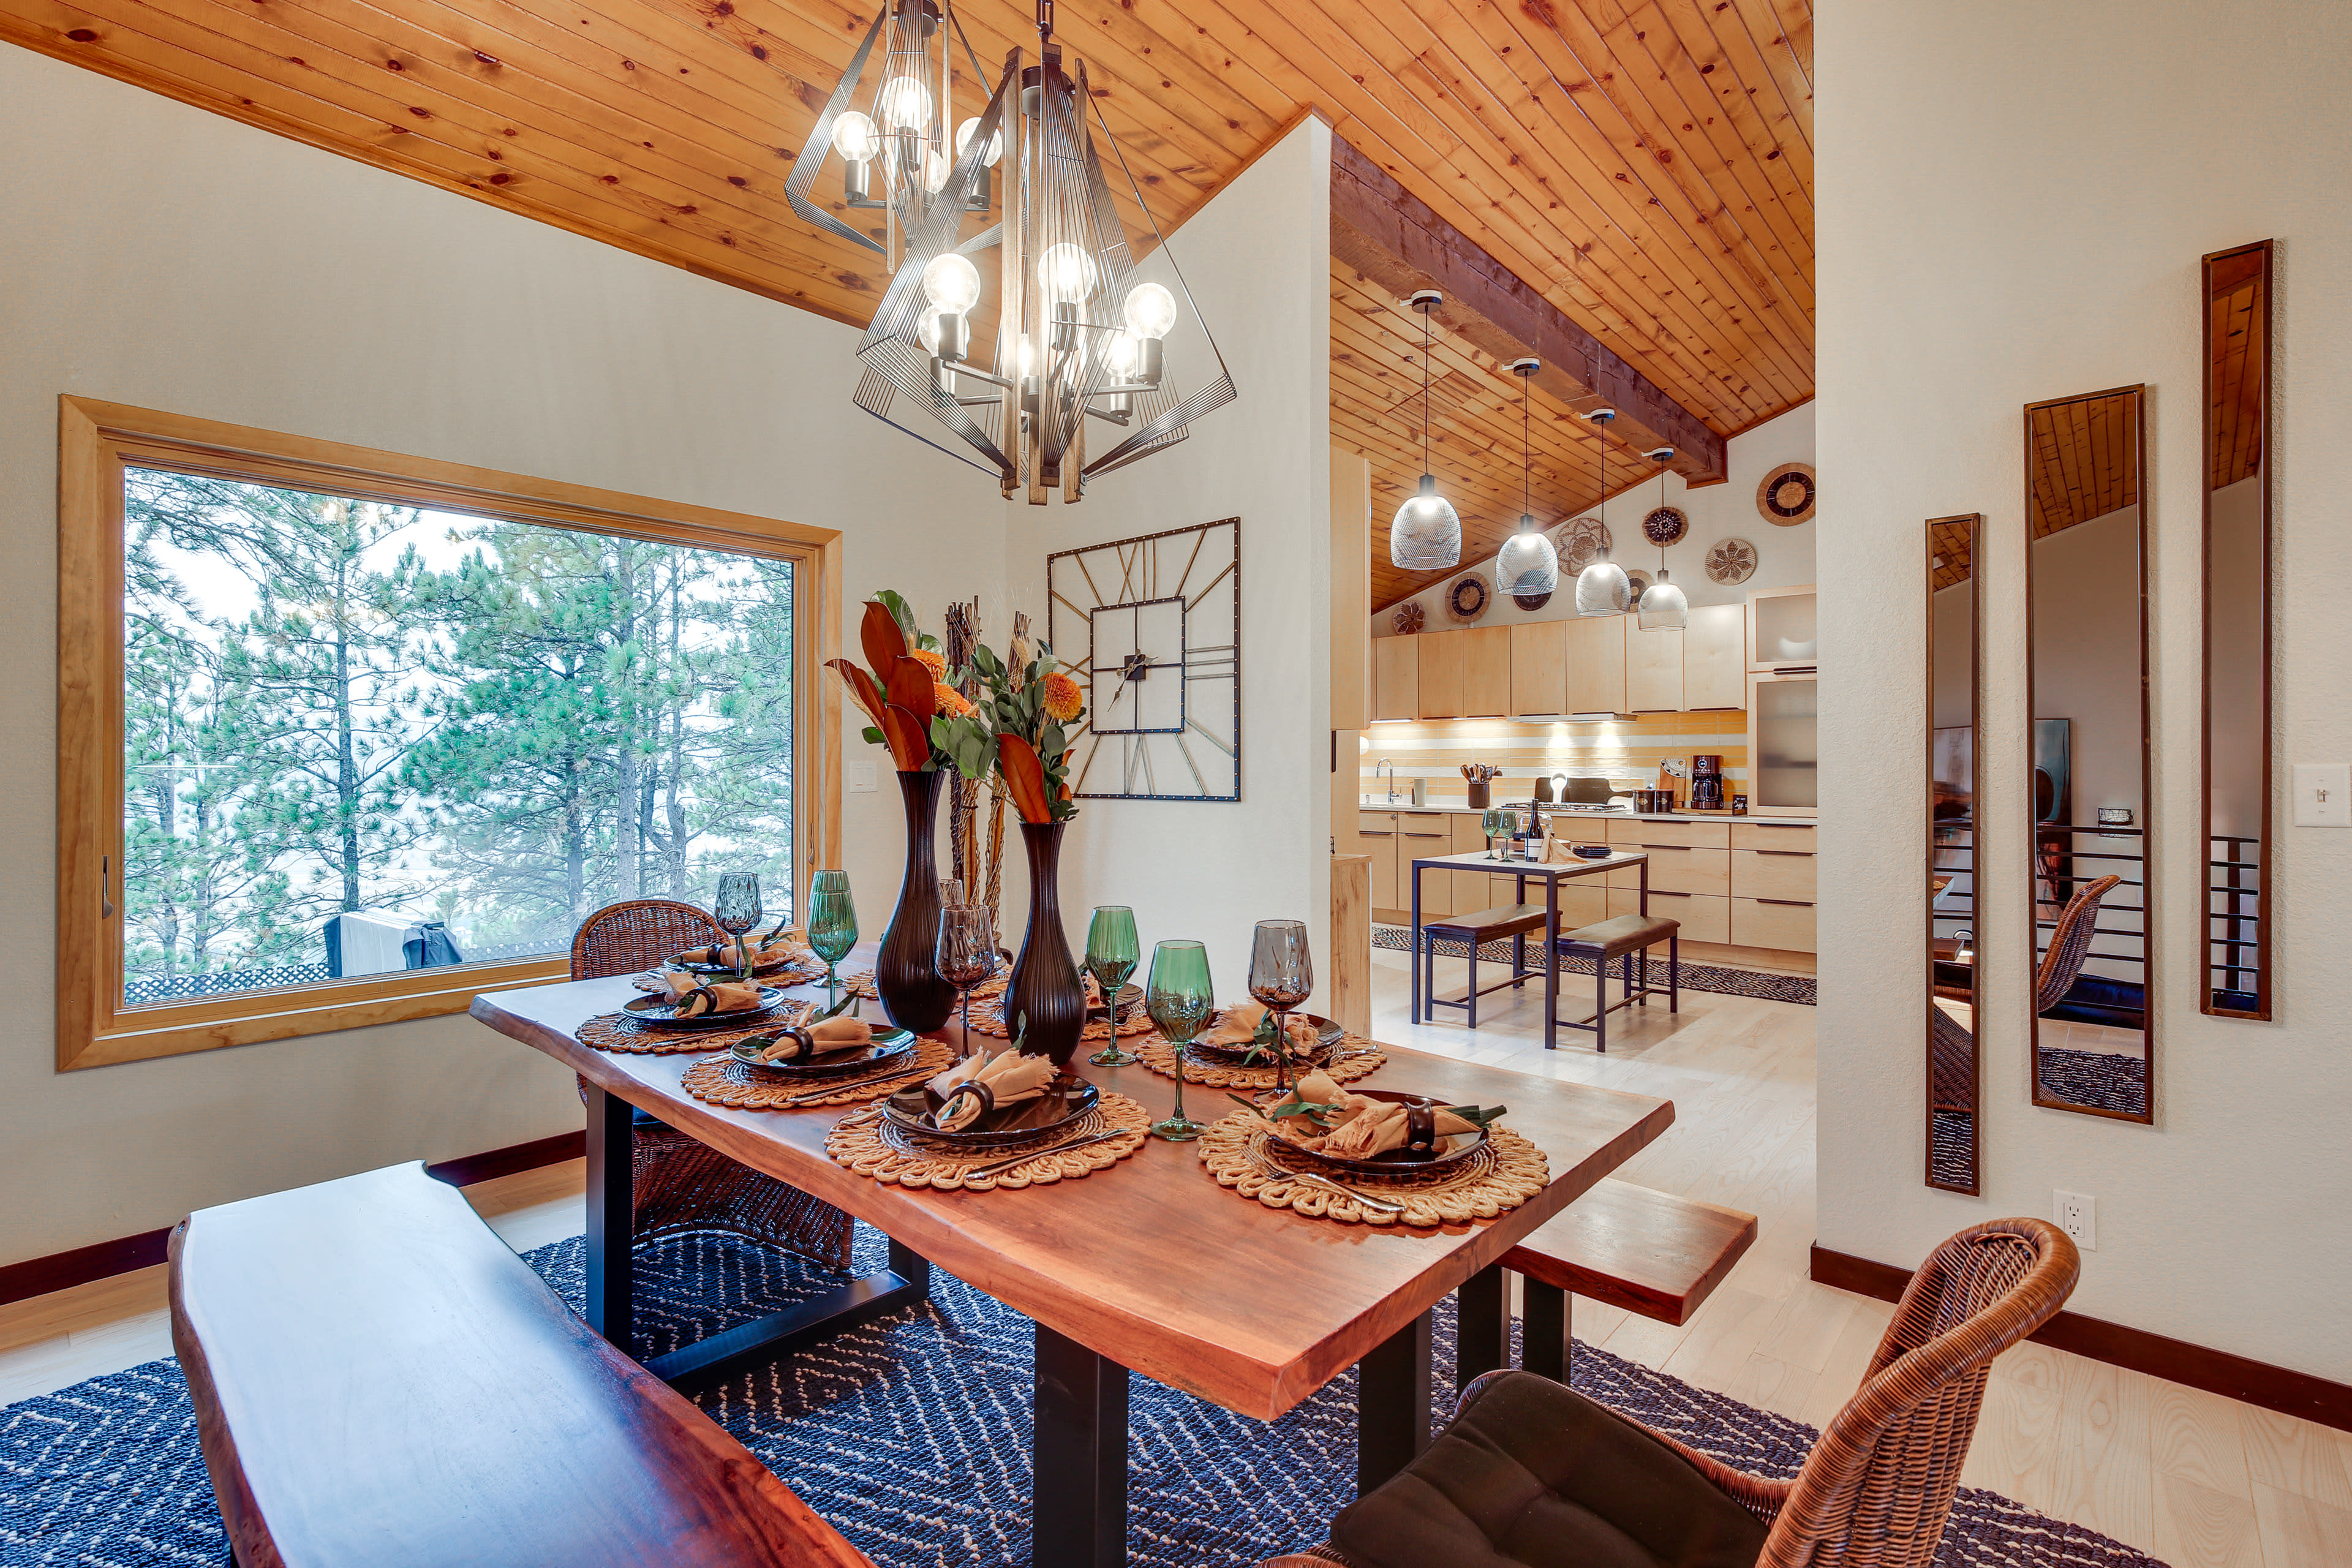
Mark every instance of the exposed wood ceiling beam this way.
pixel 1392 237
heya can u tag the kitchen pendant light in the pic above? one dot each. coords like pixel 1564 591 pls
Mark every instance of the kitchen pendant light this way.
pixel 1663 608
pixel 1425 535
pixel 1527 565
pixel 1601 588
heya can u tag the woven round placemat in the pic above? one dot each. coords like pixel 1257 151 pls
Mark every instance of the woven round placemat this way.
pixel 619 1032
pixel 723 1081
pixel 866 1143
pixel 1359 1058
pixel 1501 1176
pixel 989 1020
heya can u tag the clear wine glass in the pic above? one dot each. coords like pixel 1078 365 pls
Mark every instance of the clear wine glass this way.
pixel 736 910
pixel 1179 998
pixel 951 892
pixel 967 954
pixel 1493 824
pixel 1112 953
pixel 832 925
pixel 1282 975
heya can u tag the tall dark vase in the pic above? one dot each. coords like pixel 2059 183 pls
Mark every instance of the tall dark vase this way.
pixel 906 972
pixel 1043 999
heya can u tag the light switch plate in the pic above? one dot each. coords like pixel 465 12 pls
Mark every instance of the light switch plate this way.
pixel 2323 795
pixel 862 778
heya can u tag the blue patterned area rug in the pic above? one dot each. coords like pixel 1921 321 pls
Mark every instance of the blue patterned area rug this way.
pixel 1763 984
pixel 911 1434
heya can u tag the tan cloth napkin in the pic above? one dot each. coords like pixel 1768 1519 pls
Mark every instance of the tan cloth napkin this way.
pixel 1235 1026
pixel 832 1034
pixel 691 998
pixel 1377 1127
pixel 1010 1076
pixel 737 952
pixel 1093 988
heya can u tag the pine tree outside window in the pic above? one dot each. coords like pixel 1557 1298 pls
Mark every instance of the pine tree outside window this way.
pixel 347 737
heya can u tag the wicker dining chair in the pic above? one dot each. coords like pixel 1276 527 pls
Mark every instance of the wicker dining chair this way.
pixel 1529 1472
pixel 683 1184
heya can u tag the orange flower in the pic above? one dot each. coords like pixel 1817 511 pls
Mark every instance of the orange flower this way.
pixel 932 660
pixel 1064 698
pixel 949 700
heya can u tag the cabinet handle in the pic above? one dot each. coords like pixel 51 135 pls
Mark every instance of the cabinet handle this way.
pixel 1663 893
pixel 1424 835
pixel 1788 903
pixel 1790 854
pixel 1374 833
pixel 1667 846
pixel 1798 827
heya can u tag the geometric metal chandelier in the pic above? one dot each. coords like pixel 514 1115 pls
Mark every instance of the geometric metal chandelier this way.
pixel 1074 333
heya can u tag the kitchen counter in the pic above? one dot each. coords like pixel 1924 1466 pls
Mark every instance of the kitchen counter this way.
pixel 1456 808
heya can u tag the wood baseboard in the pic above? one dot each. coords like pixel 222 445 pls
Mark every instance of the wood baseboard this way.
pixel 60 1270
pixel 2176 1361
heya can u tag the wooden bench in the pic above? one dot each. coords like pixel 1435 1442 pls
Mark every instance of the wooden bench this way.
pixel 1649 1252
pixel 1513 921
pixel 1629 937
pixel 378 1380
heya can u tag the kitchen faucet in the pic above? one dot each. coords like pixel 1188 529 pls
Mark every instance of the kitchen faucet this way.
pixel 1385 763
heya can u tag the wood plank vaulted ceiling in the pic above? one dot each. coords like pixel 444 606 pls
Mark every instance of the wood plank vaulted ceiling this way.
pixel 1645 168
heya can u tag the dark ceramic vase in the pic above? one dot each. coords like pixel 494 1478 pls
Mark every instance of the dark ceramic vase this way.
pixel 1044 1003
pixel 906 972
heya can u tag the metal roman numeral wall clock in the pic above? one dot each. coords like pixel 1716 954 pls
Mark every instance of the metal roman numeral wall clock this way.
pixel 1154 626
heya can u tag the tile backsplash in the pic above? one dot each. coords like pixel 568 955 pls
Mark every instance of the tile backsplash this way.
pixel 1627 751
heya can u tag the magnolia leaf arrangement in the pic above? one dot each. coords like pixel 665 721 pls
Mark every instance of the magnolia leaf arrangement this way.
pixel 1020 731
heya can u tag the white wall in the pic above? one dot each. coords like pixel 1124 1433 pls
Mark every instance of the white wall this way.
pixel 1784 556
pixel 2010 213
pixel 159 256
pixel 1258 260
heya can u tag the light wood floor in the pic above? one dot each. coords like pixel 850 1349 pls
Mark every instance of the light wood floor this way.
pixel 2195 1481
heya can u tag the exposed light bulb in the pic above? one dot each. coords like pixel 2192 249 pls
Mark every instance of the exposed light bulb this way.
pixel 927 328
pixel 971 127
pixel 1149 311
pixel 854 136
pixel 951 282
pixel 935 170
pixel 1026 359
pixel 1066 272
pixel 1122 354
pixel 904 103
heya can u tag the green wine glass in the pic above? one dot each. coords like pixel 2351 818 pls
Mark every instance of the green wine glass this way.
pixel 1180 999
pixel 1492 823
pixel 1112 953
pixel 832 925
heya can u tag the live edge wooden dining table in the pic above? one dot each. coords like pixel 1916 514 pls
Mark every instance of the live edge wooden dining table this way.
pixel 1148 1266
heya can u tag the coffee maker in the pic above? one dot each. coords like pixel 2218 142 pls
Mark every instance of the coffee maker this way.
pixel 1707 784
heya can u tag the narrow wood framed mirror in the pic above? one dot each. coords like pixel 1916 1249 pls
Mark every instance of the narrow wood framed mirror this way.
pixel 2086 509
pixel 1954 601
pixel 2236 807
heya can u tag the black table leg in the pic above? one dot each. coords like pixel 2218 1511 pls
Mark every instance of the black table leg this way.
pixel 1547 1326
pixel 1482 1334
pixel 611 1216
pixel 1077 1449
pixel 1412 919
pixel 1393 1404
pixel 1551 963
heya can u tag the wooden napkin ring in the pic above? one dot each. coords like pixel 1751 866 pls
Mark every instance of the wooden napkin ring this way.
pixel 1421 1125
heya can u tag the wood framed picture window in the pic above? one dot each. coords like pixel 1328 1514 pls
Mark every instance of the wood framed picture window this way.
pixel 345 737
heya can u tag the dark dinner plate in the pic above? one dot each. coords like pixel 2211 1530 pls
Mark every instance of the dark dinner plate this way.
pixel 1064 1101
pixel 1395 1162
pixel 656 1010
pixel 1327 1036
pixel 887 1045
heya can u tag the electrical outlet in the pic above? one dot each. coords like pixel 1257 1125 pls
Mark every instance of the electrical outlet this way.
pixel 2323 795
pixel 2076 1213
pixel 861 780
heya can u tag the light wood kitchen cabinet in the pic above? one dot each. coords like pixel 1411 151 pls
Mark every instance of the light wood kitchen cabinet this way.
pixel 1440 674
pixel 1539 668
pixel 1654 669
pixel 1688 833
pixel 1376 838
pixel 1753 835
pixel 1702 917
pixel 1715 659
pixel 1596 664
pixel 1396 678
pixel 1783 629
pixel 1773 874
pixel 1783 923
pixel 1422 835
pixel 1485 672
pixel 1678 868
